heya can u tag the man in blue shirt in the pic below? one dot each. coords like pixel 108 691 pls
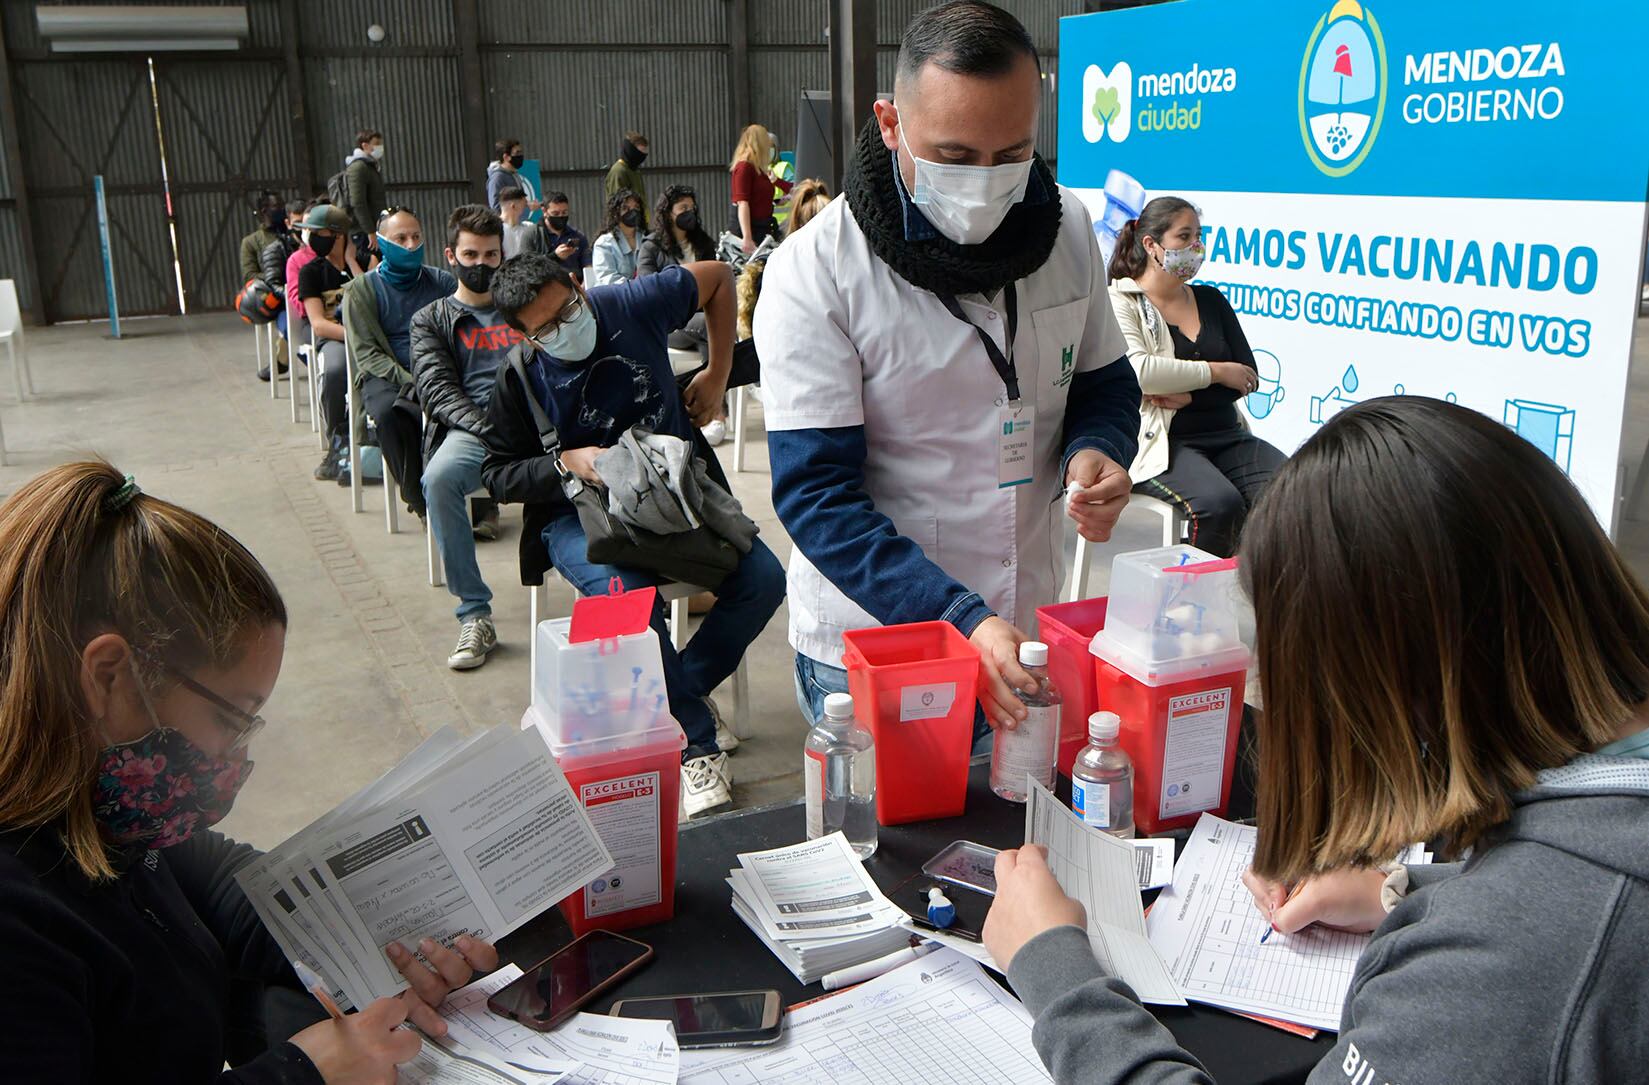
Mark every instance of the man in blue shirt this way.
pixel 597 363
pixel 377 321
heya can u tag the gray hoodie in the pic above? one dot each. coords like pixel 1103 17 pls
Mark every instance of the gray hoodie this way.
pixel 1524 964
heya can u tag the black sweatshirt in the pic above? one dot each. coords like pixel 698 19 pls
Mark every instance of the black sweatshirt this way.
pixel 131 980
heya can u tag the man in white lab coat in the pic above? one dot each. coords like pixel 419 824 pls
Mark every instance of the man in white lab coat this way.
pixel 939 364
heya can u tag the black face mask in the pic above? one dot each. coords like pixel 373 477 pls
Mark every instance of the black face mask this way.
pixel 515 160
pixel 277 220
pixel 631 218
pixel 558 223
pixel 633 155
pixel 321 245
pixel 688 221
pixel 475 277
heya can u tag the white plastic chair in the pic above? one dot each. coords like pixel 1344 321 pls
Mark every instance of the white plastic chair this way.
pixel 257 350
pixel 11 334
pixel 677 596
pixel 1173 531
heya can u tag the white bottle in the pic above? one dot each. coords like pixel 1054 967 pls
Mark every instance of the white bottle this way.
pixel 1102 779
pixel 1030 749
pixel 839 771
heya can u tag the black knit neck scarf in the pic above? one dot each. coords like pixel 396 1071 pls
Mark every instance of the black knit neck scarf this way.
pixel 1017 248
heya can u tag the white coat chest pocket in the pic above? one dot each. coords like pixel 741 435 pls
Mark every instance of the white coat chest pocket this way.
pixel 1058 335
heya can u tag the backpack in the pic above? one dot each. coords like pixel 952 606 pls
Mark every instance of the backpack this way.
pixel 337 190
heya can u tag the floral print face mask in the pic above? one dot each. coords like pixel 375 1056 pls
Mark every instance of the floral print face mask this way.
pixel 160 789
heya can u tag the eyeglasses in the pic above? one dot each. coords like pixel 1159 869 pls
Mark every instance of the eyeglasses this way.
pixel 569 313
pixel 245 725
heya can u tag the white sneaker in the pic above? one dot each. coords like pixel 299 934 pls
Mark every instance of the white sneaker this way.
pixel 725 738
pixel 715 432
pixel 476 638
pixel 706 783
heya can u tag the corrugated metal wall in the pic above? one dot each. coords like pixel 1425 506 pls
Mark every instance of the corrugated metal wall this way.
pixel 565 77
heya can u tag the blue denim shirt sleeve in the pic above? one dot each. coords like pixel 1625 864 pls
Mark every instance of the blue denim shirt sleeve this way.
pixel 819 494
pixel 1102 413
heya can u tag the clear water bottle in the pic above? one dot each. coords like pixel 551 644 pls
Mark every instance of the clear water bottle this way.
pixel 1102 779
pixel 1031 748
pixel 839 769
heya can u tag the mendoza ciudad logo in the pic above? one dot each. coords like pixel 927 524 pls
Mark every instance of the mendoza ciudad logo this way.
pixel 1342 88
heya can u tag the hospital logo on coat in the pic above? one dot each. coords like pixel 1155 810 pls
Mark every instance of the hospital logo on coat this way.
pixel 1067 366
pixel 1107 102
pixel 1342 88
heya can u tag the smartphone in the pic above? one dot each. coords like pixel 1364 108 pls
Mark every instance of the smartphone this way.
pixel 569 979
pixel 722 1019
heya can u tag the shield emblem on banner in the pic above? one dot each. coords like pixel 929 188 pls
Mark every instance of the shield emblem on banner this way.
pixel 1342 88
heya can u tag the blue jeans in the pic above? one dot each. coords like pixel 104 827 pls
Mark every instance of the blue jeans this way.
pixel 815 681
pixel 745 603
pixel 449 476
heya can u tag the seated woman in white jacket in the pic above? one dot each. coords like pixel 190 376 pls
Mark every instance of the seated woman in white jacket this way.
pixel 1194 364
pixel 613 256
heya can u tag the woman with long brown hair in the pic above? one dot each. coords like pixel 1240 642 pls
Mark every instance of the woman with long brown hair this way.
pixel 1451 650
pixel 138 641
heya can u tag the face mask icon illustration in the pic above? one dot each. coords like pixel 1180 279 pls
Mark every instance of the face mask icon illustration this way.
pixel 1265 398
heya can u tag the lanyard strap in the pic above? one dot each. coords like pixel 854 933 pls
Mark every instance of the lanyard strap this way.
pixel 1004 363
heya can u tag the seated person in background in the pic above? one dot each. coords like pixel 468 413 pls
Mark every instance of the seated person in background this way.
pixel 141 643
pixel 320 293
pixel 614 256
pixel 568 330
pixel 1193 364
pixel 272 260
pixel 561 240
pixel 458 343
pixel 378 310
pixel 271 219
pixel 519 235
pixel 1504 709
pixel 807 199
pixel 678 238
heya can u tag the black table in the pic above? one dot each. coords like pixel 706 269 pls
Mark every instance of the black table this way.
pixel 708 948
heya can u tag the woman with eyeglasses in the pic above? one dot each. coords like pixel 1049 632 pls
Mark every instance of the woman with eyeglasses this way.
pixel 138 642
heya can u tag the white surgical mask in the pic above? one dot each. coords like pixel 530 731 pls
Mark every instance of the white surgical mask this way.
pixel 574 340
pixel 377 153
pixel 968 203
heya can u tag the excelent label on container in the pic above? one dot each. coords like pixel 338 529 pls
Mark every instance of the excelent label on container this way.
pixel 926 702
pixel 625 812
pixel 1193 755
pixel 1091 800
pixel 813 773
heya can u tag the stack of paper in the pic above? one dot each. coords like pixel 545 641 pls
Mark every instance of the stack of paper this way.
pixel 814 906
pixel 465 836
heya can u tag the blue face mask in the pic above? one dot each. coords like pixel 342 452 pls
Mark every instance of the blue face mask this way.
pixel 400 266
pixel 573 341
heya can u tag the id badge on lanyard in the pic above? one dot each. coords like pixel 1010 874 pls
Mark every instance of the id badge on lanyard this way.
pixel 1015 438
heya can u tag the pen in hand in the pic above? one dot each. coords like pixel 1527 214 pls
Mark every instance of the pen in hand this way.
pixel 315 985
pixel 1292 893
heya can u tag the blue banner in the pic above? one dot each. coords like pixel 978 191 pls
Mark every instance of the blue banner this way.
pixel 1516 99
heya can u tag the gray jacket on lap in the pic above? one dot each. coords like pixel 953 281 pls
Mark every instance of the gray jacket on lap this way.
pixel 1523 964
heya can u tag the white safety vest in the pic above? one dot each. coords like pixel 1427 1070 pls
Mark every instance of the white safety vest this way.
pixel 845 341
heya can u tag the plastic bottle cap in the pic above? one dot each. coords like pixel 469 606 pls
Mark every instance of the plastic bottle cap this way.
pixel 1104 726
pixel 838 706
pixel 1033 653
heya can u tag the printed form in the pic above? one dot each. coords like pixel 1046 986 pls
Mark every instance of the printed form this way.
pixel 589 1049
pixel 1101 872
pixel 939 1018
pixel 1207 928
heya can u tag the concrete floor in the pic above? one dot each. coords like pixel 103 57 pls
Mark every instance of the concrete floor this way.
pixel 175 404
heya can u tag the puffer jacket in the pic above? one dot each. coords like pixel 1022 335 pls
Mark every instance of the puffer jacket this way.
pixel 438 379
pixel 272 260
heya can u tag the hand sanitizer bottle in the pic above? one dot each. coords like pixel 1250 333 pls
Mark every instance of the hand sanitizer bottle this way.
pixel 839 772
pixel 1102 779
pixel 1031 748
